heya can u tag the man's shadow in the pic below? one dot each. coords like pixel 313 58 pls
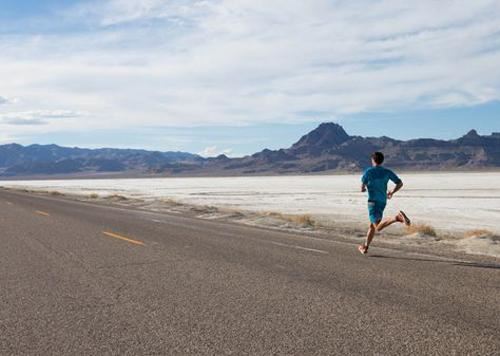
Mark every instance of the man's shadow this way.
pixel 454 263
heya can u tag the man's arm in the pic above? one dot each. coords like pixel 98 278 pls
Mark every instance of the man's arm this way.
pixel 395 190
pixel 364 181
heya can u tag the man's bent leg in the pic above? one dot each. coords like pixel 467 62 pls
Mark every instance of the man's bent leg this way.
pixel 389 221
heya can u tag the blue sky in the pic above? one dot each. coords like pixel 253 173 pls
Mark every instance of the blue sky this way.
pixel 236 76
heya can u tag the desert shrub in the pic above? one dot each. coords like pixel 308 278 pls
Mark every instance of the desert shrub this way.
pixel 304 220
pixel 423 229
pixel 170 201
pixel 116 197
pixel 478 232
pixel 93 196
pixel 56 193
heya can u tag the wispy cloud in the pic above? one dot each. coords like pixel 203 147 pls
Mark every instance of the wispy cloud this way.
pixel 7 100
pixel 24 122
pixel 115 12
pixel 213 151
pixel 235 62
pixel 36 118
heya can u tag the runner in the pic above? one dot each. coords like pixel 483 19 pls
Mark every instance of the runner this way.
pixel 375 180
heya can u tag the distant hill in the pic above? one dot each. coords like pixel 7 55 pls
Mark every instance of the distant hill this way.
pixel 328 148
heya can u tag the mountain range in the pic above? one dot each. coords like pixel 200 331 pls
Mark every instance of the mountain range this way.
pixel 328 148
pixel 18 160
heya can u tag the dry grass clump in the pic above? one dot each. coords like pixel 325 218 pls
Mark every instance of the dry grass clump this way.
pixel 273 214
pixel 305 220
pixel 116 197
pixel 56 193
pixel 422 229
pixel 94 196
pixel 204 209
pixel 235 214
pixel 478 233
pixel 171 202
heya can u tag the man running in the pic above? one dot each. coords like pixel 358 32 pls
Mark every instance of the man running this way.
pixel 375 180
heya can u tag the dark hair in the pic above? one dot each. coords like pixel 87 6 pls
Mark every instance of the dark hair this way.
pixel 378 157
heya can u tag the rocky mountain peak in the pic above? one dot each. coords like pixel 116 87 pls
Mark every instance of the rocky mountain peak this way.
pixel 472 133
pixel 471 138
pixel 326 135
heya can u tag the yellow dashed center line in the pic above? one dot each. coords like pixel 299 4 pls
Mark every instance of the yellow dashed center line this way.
pixel 120 237
pixel 43 213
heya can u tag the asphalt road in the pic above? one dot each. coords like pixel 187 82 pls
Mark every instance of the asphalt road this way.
pixel 78 278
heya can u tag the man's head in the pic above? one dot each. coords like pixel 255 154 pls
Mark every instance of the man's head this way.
pixel 377 158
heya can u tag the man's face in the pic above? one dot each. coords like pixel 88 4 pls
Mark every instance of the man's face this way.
pixel 374 164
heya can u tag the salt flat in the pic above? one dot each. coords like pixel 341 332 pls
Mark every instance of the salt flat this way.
pixel 447 201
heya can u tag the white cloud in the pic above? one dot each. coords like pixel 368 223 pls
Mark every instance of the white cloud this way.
pixel 6 100
pixel 185 63
pixel 41 117
pixel 213 151
pixel 113 12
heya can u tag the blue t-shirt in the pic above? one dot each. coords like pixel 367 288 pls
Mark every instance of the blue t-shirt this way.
pixel 376 179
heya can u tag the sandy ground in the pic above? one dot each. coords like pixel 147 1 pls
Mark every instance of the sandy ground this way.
pixel 450 210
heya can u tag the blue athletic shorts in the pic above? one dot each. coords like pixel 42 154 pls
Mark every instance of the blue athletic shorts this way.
pixel 376 211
